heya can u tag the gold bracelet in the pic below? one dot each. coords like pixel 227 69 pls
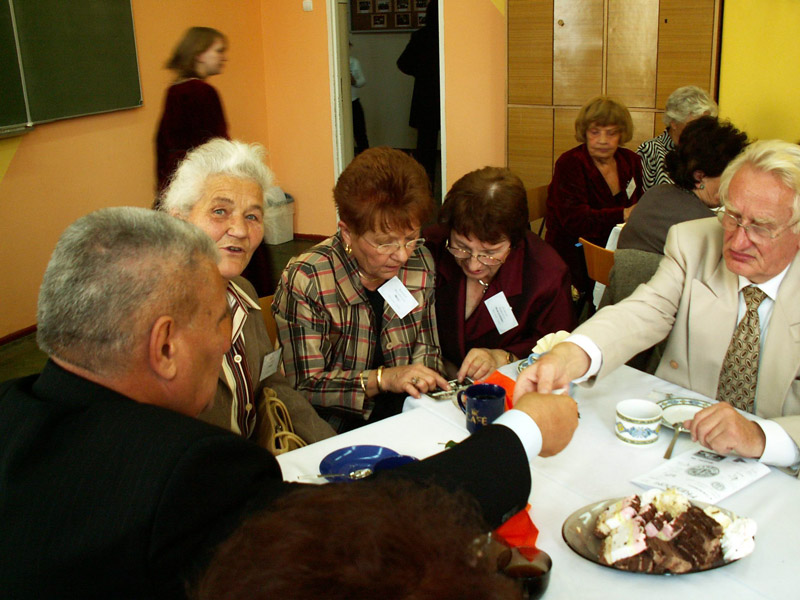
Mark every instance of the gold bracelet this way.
pixel 380 373
pixel 363 385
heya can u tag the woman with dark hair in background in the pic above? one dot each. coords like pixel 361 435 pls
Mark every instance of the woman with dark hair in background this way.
pixel 192 110
pixel 485 253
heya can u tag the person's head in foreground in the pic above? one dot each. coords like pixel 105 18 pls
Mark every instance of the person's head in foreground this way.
pixel 707 146
pixel 383 197
pixel 603 124
pixel 388 539
pixel 486 212
pixel 222 187
pixel 760 193
pixel 132 299
pixel 200 53
pixel 685 105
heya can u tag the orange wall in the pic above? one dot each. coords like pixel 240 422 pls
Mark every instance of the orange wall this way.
pixel 475 85
pixel 63 170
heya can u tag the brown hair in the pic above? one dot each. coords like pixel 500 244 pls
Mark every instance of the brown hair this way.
pixel 195 41
pixel 604 111
pixel 385 538
pixel 490 204
pixel 383 188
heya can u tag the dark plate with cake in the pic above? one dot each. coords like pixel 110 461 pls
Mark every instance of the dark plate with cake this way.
pixel 658 532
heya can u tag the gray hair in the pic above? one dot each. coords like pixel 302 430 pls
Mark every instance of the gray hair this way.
pixel 112 273
pixel 687 103
pixel 776 157
pixel 216 157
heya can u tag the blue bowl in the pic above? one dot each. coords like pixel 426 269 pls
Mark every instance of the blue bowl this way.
pixel 352 458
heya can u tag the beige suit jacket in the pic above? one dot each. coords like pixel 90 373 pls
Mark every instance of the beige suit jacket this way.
pixel 693 299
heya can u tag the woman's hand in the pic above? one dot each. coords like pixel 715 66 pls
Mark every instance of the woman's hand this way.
pixel 480 362
pixel 412 379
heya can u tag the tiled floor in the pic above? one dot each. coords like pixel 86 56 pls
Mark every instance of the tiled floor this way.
pixel 23 357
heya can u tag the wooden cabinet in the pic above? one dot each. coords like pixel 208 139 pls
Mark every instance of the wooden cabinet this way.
pixel 561 53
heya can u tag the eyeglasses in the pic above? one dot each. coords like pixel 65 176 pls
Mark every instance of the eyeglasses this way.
pixel 757 233
pixel 386 249
pixel 484 259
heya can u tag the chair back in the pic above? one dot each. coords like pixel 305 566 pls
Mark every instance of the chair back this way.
pixel 537 207
pixel 269 319
pixel 598 261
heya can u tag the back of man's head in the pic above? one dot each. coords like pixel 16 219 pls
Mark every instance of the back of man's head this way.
pixel 111 274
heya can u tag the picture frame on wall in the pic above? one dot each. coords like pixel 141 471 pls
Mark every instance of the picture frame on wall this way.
pixel 420 19
pixel 386 16
pixel 402 5
pixel 420 5
pixel 383 6
pixel 379 21
pixel 402 21
pixel 365 6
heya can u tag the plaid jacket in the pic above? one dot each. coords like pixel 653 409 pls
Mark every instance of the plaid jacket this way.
pixel 325 326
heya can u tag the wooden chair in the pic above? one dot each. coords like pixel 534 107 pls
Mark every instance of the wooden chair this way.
pixel 598 261
pixel 269 319
pixel 537 207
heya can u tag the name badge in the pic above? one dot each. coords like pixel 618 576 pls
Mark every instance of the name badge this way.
pixel 270 364
pixel 631 188
pixel 501 313
pixel 398 297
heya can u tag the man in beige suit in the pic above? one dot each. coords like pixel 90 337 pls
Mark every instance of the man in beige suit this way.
pixel 695 298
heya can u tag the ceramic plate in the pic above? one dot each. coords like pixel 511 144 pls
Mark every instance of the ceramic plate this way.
pixel 579 527
pixel 352 458
pixel 680 409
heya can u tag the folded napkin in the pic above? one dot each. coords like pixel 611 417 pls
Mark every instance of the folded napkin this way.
pixel 504 382
pixel 520 532
pixel 546 343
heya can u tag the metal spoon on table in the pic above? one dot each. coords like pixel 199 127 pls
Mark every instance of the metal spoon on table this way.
pixel 357 474
pixel 678 427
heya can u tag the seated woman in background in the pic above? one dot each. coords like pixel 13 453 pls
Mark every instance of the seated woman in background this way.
pixel 595 185
pixel 485 253
pixel 706 147
pixel 222 188
pixel 355 313
pixel 683 105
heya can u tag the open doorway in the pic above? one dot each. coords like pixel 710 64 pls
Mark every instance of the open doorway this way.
pixel 386 96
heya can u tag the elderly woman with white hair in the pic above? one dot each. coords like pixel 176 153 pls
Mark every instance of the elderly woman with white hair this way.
pixel 222 188
pixel 683 106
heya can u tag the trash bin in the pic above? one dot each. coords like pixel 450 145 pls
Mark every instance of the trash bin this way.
pixel 279 217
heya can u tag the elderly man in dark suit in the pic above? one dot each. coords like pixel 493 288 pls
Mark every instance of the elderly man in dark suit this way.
pixel 108 487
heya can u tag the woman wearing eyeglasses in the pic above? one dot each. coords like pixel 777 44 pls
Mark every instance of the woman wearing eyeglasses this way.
pixel 355 314
pixel 499 287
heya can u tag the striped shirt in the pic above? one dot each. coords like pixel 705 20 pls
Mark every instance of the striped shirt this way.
pixel 235 367
pixel 653 151
pixel 325 324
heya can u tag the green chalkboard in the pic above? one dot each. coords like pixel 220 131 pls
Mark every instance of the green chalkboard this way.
pixel 12 99
pixel 78 57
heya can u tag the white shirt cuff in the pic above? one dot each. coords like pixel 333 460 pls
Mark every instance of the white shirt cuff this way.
pixel 780 449
pixel 588 346
pixel 526 429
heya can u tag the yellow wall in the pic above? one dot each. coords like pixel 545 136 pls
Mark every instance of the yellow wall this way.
pixel 759 75
pixel 475 85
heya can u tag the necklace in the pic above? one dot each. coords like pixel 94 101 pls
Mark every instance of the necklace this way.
pixel 485 285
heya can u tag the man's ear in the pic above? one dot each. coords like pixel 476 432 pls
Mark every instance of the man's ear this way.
pixel 163 348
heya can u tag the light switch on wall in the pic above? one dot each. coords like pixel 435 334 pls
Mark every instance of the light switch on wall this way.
pixel 308 5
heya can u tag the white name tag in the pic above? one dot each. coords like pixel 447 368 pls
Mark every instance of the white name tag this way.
pixel 270 364
pixel 398 297
pixel 501 313
pixel 631 188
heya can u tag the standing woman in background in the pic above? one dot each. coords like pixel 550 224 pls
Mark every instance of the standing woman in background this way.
pixel 192 111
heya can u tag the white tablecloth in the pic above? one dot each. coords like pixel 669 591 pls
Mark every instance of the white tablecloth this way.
pixel 593 467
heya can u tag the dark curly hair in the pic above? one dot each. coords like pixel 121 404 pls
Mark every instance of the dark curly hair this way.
pixel 387 538
pixel 708 145
pixel 490 204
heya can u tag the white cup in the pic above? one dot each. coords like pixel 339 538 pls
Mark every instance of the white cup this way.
pixel 638 421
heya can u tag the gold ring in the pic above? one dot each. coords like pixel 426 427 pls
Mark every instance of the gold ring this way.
pixel 414 380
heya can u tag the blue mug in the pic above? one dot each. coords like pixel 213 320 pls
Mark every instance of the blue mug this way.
pixel 483 403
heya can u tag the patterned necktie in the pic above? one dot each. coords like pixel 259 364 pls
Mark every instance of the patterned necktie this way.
pixel 739 375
